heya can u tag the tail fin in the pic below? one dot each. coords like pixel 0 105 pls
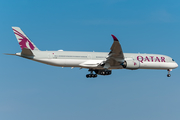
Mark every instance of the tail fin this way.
pixel 23 40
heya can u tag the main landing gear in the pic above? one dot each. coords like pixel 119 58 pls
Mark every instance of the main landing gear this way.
pixel 91 75
pixel 169 70
pixel 99 72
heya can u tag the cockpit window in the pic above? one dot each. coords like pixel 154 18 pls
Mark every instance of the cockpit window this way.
pixel 172 59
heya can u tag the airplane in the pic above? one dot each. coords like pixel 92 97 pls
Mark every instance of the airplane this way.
pixel 98 63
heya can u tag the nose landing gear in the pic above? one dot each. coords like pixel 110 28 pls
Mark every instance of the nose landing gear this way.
pixel 169 70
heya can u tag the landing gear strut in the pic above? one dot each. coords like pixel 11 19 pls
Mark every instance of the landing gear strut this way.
pixel 169 70
pixel 91 75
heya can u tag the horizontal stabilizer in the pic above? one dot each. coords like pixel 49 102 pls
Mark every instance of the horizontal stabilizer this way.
pixel 27 52
pixel 9 54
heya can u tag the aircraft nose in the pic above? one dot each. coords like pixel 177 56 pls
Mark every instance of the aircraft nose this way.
pixel 176 65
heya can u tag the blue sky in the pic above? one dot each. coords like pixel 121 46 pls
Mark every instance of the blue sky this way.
pixel 31 90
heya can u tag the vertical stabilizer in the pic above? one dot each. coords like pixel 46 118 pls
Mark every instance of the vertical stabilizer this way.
pixel 23 40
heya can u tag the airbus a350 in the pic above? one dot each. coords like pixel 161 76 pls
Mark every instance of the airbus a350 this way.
pixel 98 63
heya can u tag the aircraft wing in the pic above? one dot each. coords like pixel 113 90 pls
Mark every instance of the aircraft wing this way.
pixel 116 56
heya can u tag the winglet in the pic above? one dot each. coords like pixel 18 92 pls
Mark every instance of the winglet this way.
pixel 115 39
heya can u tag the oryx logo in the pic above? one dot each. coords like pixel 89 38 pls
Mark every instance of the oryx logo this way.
pixel 24 42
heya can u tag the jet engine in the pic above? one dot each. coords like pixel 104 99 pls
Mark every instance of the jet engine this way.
pixel 131 64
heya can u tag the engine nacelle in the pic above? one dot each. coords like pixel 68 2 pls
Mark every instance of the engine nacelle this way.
pixel 103 72
pixel 131 64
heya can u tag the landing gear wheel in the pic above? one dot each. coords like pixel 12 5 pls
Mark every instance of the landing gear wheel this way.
pixel 91 75
pixel 168 75
pixel 95 75
pixel 106 72
pixel 87 75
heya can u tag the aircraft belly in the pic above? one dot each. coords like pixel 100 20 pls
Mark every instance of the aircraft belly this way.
pixel 157 65
pixel 54 62
pixel 91 63
pixel 61 62
pixel 73 62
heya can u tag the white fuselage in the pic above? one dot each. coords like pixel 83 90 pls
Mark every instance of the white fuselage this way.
pixel 95 59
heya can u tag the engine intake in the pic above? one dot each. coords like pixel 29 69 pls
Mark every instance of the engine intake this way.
pixel 131 64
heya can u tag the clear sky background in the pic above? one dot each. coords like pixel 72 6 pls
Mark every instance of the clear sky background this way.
pixel 35 91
